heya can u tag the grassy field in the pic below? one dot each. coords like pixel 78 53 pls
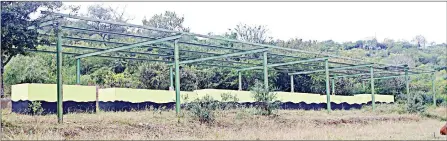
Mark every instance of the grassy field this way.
pixel 385 123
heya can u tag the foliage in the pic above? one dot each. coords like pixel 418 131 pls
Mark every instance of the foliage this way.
pixel 415 103
pixel 35 108
pixel 265 99
pixel 229 101
pixel 26 69
pixel 203 109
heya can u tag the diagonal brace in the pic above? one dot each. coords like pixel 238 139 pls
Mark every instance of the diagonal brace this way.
pixel 129 46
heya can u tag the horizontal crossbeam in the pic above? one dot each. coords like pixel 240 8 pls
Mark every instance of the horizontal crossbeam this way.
pixel 129 46
pixel 114 57
pixel 333 69
pixel 130 52
pixel 283 64
pixel 223 56
pixel 203 36
pixel 396 76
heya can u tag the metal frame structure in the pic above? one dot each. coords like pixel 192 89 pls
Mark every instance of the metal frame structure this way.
pixel 173 42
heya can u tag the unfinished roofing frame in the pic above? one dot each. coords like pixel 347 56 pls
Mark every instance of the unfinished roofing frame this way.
pixel 176 39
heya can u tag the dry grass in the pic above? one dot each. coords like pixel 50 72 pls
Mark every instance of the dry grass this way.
pixel 385 124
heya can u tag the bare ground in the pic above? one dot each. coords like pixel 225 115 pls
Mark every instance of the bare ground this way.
pixel 383 124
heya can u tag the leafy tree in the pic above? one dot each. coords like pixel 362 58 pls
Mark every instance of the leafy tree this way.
pixel 15 36
pixel 419 40
pixel 168 20
pixel 254 34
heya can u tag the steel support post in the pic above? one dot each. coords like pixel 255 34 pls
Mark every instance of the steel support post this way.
pixel 373 100
pixel 177 77
pixel 433 77
pixel 363 85
pixel 333 86
pixel 171 78
pixel 59 75
pixel 240 80
pixel 78 71
pixel 266 75
pixel 407 84
pixel 328 97
pixel 292 86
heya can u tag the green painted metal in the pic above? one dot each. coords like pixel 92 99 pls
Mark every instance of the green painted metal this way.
pixel 407 84
pixel 363 85
pixel 151 46
pixel 43 24
pixel 292 86
pixel 60 116
pixel 266 73
pixel 373 102
pixel 333 69
pixel 130 46
pixel 396 76
pixel 240 80
pixel 171 78
pixel 78 71
pixel 283 64
pixel 223 56
pixel 203 36
pixel 433 77
pixel 328 97
pixel 129 52
pixel 196 44
pixel 177 77
pixel 128 58
pixel 333 86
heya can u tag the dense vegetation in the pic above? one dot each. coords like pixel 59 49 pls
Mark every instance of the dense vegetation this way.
pixel 21 67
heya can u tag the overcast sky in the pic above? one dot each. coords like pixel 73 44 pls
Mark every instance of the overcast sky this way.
pixel 338 21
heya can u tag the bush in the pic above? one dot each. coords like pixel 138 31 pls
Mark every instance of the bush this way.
pixel 229 101
pixel 265 100
pixel 203 109
pixel 35 108
pixel 415 103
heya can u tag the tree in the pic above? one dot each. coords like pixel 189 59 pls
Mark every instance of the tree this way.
pixel 168 20
pixel 109 14
pixel 15 36
pixel 420 40
pixel 254 34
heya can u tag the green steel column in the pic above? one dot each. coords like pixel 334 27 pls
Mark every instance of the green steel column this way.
pixel 433 88
pixel 373 100
pixel 333 86
pixel 407 84
pixel 59 75
pixel 240 81
pixel 266 75
pixel 78 71
pixel 363 85
pixel 292 86
pixel 328 97
pixel 177 77
pixel 171 78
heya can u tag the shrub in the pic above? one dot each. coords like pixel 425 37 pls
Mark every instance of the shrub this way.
pixel 415 103
pixel 265 100
pixel 229 101
pixel 203 109
pixel 35 108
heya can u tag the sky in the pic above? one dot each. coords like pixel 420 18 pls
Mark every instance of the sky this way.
pixel 337 21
